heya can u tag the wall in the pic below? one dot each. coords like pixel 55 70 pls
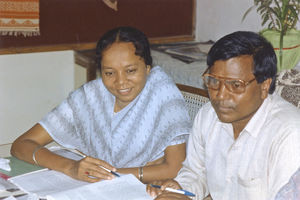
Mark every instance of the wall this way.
pixel 30 86
pixel 216 18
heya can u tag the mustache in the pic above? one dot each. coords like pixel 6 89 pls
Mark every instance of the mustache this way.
pixel 226 104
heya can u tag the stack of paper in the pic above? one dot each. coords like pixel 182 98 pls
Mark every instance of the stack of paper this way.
pixel 8 189
pixel 53 185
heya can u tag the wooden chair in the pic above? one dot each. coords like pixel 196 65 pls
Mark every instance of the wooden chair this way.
pixel 194 97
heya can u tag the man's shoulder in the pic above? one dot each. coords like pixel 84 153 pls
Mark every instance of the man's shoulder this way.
pixel 282 117
pixel 284 110
pixel 206 114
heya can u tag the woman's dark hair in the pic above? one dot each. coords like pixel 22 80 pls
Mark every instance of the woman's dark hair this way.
pixel 125 34
pixel 247 43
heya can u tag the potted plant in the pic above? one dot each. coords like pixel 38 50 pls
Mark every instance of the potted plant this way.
pixel 281 17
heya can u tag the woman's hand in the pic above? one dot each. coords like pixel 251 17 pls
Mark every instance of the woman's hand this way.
pixel 91 170
pixel 156 192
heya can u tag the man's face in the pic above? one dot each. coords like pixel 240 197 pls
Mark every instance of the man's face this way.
pixel 234 107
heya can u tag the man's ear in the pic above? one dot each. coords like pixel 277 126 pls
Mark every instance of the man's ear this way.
pixel 265 86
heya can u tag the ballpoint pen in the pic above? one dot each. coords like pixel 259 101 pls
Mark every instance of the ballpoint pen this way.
pixel 83 155
pixel 114 173
pixel 179 191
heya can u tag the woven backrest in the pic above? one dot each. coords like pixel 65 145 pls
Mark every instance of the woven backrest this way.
pixel 195 98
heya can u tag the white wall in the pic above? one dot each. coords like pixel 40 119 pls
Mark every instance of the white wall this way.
pixel 216 18
pixel 30 86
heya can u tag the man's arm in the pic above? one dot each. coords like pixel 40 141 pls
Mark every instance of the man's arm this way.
pixel 284 160
pixel 192 175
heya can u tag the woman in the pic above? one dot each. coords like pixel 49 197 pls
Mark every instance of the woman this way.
pixel 131 120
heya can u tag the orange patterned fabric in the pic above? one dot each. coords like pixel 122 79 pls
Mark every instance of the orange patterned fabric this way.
pixel 19 17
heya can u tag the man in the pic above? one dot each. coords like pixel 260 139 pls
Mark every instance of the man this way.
pixel 245 143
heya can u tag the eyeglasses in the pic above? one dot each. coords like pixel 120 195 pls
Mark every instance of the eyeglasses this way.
pixel 233 85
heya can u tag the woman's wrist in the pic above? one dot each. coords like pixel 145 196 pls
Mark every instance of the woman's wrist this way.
pixel 39 147
pixel 140 174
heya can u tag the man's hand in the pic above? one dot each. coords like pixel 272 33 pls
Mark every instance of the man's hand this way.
pixel 172 196
pixel 161 193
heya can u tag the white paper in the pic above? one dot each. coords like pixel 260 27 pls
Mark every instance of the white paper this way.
pixel 126 187
pixel 8 189
pixel 44 182
pixel 4 164
pixel 10 198
pixel 6 185
pixel 54 185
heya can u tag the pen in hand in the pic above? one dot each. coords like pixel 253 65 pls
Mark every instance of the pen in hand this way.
pixel 114 173
pixel 179 191
pixel 84 156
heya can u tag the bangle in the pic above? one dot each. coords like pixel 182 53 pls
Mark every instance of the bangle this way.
pixel 140 171
pixel 34 152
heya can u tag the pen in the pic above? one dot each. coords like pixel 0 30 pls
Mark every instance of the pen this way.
pixel 114 173
pixel 179 191
pixel 83 155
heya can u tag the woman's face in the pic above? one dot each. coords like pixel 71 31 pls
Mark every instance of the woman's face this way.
pixel 123 73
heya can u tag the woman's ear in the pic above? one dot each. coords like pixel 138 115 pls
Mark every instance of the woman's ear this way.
pixel 148 69
pixel 265 86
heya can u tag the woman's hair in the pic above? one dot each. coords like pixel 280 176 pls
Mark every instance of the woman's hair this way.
pixel 125 34
pixel 247 43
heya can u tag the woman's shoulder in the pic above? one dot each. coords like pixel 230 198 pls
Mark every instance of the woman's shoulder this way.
pixel 89 88
pixel 160 79
pixel 160 87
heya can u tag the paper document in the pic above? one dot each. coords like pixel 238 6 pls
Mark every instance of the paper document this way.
pixel 8 189
pixel 126 187
pixel 45 182
pixel 53 185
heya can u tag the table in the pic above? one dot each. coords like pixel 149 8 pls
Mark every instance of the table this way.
pixel 19 167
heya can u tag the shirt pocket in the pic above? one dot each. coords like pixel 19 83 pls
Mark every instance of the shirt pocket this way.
pixel 250 188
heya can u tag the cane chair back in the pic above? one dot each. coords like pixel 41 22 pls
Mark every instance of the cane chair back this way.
pixel 194 97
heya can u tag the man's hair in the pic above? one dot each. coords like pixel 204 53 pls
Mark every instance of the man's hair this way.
pixel 247 43
pixel 125 34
